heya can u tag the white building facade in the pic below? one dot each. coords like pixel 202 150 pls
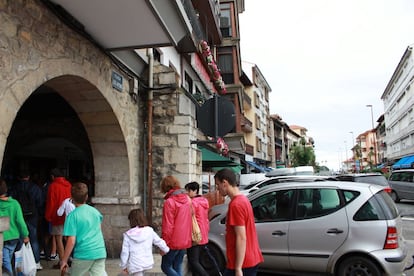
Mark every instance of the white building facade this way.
pixel 398 99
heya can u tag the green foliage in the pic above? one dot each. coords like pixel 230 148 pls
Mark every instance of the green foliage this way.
pixel 302 155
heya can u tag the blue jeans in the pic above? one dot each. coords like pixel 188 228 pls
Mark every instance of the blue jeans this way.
pixel 8 251
pixel 172 262
pixel 34 242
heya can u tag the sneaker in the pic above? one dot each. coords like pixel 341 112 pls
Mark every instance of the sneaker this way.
pixel 39 266
pixel 42 255
pixel 54 257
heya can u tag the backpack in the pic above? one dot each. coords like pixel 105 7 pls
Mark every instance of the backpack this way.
pixel 26 201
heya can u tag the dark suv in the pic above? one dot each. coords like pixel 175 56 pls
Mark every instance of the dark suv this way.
pixel 371 178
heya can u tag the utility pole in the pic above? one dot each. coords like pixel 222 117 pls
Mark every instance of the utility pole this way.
pixel 346 156
pixel 374 134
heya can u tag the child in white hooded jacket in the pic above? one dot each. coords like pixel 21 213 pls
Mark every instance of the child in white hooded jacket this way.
pixel 136 254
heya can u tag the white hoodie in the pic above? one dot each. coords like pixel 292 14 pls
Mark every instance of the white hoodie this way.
pixel 136 254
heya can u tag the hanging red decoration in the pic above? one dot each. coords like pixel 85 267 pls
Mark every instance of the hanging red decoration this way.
pixel 215 74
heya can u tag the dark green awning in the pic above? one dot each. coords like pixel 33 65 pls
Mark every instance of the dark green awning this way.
pixel 212 160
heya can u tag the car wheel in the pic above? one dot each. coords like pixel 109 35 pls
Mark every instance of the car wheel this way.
pixel 212 259
pixel 395 197
pixel 360 266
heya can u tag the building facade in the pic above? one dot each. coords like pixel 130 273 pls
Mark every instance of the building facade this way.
pixel 261 138
pixel 398 98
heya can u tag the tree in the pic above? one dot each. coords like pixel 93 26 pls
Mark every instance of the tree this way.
pixel 302 154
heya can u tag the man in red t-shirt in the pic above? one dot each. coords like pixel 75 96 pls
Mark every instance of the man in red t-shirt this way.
pixel 243 251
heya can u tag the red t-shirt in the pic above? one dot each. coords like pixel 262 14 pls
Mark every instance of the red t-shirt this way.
pixel 240 213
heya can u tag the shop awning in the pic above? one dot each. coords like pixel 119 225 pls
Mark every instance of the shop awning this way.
pixel 404 163
pixel 258 167
pixel 213 160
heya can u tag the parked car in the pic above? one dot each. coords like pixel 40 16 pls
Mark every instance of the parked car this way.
pixel 324 228
pixel 372 178
pixel 282 179
pixel 402 184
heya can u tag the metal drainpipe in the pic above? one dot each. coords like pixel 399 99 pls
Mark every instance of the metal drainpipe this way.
pixel 149 129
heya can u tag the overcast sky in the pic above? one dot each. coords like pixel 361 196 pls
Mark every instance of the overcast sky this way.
pixel 325 60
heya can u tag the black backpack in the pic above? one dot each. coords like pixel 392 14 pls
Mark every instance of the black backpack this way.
pixel 26 200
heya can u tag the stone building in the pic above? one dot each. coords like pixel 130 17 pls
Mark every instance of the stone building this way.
pixel 103 94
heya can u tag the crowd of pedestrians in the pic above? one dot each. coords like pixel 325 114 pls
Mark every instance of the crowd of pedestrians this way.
pixel 70 229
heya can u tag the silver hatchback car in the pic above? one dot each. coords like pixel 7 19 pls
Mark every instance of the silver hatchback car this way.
pixel 321 228
pixel 402 184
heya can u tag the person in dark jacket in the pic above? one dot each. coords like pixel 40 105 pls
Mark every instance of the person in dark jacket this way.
pixel 34 194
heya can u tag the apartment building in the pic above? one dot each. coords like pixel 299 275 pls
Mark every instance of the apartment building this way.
pixel 284 139
pixel 261 139
pixel 398 98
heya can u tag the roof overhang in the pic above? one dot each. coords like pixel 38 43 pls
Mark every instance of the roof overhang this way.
pixel 130 24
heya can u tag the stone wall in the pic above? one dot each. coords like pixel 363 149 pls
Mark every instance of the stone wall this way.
pixel 36 49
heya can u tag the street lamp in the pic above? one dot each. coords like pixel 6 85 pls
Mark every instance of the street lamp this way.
pixel 375 143
pixel 353 145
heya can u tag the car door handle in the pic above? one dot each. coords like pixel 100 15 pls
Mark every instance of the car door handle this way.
pixel 335 231
pixel 278 233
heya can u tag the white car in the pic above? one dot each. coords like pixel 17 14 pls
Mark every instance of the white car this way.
pixel 282 179
pixel 321 228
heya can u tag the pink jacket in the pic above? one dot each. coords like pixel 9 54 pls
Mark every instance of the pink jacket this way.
pixel 176 220
pixel 200 205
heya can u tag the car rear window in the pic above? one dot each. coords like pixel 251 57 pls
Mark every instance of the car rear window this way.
pixel 378 207
pixel 373 179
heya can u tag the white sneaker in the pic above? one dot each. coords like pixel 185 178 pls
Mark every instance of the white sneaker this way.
pixel 39 266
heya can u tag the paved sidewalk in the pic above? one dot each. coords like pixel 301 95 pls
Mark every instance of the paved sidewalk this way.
pixel 112 268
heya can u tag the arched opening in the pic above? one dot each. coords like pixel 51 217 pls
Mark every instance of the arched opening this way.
pixel 47 133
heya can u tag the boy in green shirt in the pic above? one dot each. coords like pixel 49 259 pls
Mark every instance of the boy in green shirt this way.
pixel 84 236
pixel 10 207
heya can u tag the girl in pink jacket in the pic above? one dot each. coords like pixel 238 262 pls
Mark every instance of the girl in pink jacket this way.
pixel 200 208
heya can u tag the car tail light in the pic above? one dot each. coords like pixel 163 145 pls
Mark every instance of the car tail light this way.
pixel 391 241
pixel 388 190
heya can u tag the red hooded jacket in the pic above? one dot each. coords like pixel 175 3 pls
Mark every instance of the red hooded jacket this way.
pixel 58 191
pixel 176 220
pixel 201 206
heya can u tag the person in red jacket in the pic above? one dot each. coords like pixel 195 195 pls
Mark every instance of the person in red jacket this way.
pixel 58 191
pixel 200 208
pixel 176 225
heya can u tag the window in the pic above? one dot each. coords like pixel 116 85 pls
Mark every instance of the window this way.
pixel 225 63
pixel 273 206
pixel 257 121
pixel 188 83
pixel 378 207
pixel 225 20
pixel 317 202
